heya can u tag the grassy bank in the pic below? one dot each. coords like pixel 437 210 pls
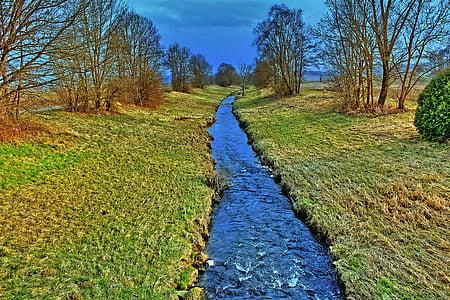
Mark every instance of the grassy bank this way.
pixel 107 206
pixel 370 185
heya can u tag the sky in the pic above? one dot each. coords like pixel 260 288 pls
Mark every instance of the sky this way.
pixel 221 30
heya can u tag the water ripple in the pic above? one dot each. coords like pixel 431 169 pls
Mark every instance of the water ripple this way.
pixel 258 248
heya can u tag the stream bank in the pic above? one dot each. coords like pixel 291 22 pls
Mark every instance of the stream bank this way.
pixel 258 248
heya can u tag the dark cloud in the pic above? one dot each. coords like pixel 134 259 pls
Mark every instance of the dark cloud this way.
pixel 201 13
pixel 219 29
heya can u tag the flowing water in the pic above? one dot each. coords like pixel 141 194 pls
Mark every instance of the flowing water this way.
pixel 258 248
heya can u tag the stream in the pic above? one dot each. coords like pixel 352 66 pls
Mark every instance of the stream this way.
pixel 258 248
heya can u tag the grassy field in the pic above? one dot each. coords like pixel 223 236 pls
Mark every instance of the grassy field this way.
pixel 108 206
pixel 369 185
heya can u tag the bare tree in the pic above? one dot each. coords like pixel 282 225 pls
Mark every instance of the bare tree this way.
pixel 414 52
pixel 177 60
pixel 226 75
pixel 398 36
pixel 71 64
pixel 28 34
pixel 245 73
pixel 99 19
pixel 200 70
pixel 87 54
pixel 348 48
pixel 282 41
pixel 139 59
pixel 387 19
pixel 87 49
pixel 109 53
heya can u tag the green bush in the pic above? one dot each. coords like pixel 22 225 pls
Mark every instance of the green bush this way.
pixel 433 112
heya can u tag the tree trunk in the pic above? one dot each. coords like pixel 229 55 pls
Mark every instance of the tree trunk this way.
pixel 99 97
pixel 384 87
pixel 401 104
pixel 97 103
pixel 17 104
pixel 70 101
pixel 108 104
pixel 402 99
pixel 75 105
pixel 20 84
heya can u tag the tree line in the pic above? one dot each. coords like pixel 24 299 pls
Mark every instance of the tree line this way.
pixel 369 47
pixel 373 47
pixel 93 53
pixel 87 52
pixel 193 70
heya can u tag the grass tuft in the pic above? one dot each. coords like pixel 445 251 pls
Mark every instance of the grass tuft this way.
pixel 12 130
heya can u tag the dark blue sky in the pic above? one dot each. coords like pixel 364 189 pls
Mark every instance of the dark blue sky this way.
pixel 219 29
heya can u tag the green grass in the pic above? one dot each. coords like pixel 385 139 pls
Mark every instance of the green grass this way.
pixel 27 163
pixel 377 192
pixel 109 206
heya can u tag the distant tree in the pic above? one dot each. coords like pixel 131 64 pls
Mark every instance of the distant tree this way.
pixel 226 75
pixel 211 79
pixel 200 70
pixel 245 74
pixel 282 41
pixel 178 61
pixel 441 59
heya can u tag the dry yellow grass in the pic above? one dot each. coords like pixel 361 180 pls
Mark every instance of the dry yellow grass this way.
pixel 12 130
pixel 110 206
pixel 369 185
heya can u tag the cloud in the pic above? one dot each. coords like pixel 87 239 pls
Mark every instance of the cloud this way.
pixel 220 29
pixel 202 13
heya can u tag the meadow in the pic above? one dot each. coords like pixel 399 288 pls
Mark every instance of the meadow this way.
pixel 108 206
pixel 368 186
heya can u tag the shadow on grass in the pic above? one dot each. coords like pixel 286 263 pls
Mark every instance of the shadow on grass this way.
pixel 256 102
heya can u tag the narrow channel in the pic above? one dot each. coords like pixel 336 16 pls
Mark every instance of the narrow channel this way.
pixel 258 248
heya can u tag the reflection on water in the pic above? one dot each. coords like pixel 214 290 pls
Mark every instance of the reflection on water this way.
pixel 258 248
